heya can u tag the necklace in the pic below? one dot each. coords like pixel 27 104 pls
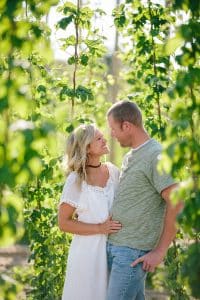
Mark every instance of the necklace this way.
pixel 91 166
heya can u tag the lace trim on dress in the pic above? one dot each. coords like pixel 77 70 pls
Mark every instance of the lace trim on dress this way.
pixel 98 188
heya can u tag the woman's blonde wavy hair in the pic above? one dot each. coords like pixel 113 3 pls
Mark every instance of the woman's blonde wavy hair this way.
pixel 76 149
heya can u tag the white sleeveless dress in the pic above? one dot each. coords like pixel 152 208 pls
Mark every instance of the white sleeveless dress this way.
pixel 86 274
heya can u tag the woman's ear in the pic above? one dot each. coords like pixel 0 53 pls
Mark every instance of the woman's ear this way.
pixel 88 149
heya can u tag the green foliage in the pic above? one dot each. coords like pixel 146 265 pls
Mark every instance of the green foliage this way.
pixel 11 221
pixel 84 93
pixel 191 265
pixel 46 280
pixel 20 159
pixel 147 26
pixel 119 16
pixel 24 130
pixel 10 288
pixel 185 148
pixel 86 49
pixel 30 180
pixel 41 101
pixel 173 264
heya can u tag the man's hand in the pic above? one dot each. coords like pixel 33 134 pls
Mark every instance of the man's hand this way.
pixel 150 260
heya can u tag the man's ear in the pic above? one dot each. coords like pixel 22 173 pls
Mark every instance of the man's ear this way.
pixel 126 125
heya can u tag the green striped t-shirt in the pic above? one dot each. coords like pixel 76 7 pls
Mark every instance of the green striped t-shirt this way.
pixel 138 204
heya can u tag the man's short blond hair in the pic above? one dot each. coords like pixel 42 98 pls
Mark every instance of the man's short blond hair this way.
pixel 126 111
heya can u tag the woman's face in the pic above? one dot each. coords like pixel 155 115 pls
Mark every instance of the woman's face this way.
pixel 98 146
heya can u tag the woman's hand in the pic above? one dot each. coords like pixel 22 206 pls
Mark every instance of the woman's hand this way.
pixel 109 226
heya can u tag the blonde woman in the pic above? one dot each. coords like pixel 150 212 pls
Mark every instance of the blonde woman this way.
pixel 88 192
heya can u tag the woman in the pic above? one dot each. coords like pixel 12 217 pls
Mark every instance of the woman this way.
pixel 88 193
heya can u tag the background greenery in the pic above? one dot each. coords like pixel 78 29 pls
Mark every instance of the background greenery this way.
pixel 155 62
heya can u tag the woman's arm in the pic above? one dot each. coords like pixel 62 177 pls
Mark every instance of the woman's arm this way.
pixel 67 224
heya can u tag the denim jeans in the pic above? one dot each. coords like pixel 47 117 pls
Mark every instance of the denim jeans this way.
pixel 125 282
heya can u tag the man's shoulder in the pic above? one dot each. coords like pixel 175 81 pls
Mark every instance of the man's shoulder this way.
pixel 144 156
pixel 154 148
pixel 154 144
pixel 151 153
pixel 148 153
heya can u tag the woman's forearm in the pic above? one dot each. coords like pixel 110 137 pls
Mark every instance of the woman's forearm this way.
pixel 78 227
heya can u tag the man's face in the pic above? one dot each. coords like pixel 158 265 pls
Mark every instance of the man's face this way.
pixel 119 132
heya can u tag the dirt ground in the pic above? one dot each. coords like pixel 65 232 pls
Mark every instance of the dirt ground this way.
pixel 13 256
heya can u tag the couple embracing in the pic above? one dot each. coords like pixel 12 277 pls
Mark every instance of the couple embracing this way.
pixel 124 220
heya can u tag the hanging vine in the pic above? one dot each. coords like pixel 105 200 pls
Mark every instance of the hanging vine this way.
pixel 146 26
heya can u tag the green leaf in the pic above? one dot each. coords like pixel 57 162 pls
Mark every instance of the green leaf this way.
pixel 173 44
pixel 41 88
pixel 70 41
pixel 84 93
pixel 69 128
pixel 66 91
pixel 119 16
pixel 64 22
pixel 84 59
pixel 68 7
pixel 71 60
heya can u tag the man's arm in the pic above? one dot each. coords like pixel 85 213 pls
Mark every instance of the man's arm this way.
pixel 155 257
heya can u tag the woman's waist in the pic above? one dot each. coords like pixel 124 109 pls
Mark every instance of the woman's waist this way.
pixel 88 241
pixel 92 219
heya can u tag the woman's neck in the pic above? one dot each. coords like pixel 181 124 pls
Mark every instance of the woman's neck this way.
pixel 93 161
pixel 93 164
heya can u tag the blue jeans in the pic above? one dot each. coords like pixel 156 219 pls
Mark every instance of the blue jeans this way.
pixel 125 282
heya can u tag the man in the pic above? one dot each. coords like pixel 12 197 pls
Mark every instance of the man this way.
pixel 142 205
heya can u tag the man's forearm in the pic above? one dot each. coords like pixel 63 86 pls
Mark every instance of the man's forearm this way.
pixel 169 228
pixel 152 259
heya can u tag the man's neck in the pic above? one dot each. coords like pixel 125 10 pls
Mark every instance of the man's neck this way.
pixel 140 139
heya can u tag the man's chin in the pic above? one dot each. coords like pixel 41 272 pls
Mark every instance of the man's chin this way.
pixel 122 145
